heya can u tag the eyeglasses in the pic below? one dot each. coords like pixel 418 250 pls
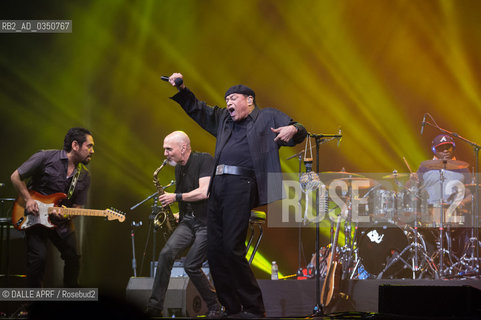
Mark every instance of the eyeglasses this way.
pixel 444 147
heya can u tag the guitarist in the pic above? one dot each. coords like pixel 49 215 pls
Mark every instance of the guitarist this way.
pixel 47 172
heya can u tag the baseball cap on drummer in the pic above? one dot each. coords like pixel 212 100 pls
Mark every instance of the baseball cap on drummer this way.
pixel 442 139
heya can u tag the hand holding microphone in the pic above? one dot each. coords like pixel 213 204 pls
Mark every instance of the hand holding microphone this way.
pixel 176 80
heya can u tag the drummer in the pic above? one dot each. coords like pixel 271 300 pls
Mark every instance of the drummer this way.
pixel 429 176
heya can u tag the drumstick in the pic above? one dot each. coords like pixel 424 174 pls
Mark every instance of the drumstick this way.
pixel 407 165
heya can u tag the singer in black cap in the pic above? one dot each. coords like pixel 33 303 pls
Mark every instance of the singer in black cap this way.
pixel 247 174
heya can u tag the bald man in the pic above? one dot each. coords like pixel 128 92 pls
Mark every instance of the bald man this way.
pixel 192 175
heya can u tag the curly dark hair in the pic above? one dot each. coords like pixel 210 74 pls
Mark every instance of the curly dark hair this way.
pixel 75 134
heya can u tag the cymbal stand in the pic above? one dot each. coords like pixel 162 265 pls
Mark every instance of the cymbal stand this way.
pixel 441 221
pixel 469 261
pixel 415 259
pixel 470 258
pixel 347 250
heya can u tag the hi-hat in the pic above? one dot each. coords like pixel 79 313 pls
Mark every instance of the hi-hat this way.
pixel 444 164
pixel 356 180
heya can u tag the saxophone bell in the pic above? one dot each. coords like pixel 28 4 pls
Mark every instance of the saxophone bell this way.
pixel 164 217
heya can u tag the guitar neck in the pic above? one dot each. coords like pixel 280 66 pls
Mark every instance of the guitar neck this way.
pixel 77 211
pixel 336 235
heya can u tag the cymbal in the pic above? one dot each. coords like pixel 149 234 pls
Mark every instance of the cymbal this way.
pixel 396 176
pixel 444 164
pixel 333 175
pixel 472 185
pixel 354 179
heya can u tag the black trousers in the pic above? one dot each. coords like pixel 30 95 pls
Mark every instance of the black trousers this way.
pixel 189 233
pixel 231 201
pixel 37 238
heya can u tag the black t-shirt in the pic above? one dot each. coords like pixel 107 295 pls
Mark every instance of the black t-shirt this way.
pixel 199 165
pixel 236 151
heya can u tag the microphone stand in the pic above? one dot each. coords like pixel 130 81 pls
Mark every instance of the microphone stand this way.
pixel 154 233
pixel 475 214
pixel 143 201
pixel 132 234
pixel 319 138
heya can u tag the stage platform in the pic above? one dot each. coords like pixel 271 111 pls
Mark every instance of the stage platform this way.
pixel 295 298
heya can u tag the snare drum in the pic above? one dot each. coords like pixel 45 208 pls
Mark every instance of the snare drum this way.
pixel 411 203
pixel 382 205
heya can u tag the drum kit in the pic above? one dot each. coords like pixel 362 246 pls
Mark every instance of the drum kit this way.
pixel 396 232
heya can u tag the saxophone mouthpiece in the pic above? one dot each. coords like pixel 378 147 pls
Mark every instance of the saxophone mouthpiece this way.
pixel 165 161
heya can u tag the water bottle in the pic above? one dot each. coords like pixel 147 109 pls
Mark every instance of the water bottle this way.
pixel 274 271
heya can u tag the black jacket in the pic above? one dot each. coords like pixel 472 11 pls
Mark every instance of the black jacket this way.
pixel 263 149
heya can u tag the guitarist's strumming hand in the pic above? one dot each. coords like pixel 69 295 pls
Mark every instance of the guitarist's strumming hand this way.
pixel 31 206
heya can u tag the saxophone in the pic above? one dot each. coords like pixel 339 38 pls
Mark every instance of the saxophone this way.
pixel 164 217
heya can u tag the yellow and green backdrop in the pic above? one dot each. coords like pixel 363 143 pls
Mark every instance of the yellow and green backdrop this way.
pixel 372 68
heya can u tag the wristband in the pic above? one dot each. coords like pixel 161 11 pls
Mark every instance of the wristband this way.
pixel 178 197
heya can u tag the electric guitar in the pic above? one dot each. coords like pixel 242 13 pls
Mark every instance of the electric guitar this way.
pixel 46 204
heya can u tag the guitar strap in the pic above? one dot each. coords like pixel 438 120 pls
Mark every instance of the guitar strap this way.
pixel 74 181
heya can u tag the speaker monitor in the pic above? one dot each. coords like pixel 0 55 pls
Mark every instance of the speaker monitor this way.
pixel 181 300
pixel 430 301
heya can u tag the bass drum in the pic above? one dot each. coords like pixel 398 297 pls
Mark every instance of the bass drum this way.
pixel 378 244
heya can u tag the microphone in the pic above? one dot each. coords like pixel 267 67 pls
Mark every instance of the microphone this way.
pixel 423 124
pixel 172 182
pixel 309 180
pixel 178 81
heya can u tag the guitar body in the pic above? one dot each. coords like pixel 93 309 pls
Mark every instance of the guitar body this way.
pixel 330 287
pixel 22 221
